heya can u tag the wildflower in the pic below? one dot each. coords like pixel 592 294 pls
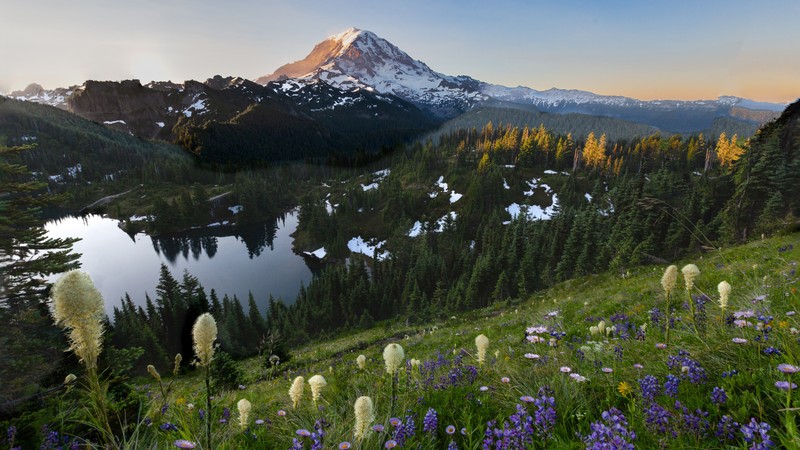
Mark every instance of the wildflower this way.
pixel 539 329
pixel 788 368
pixel 364 416
pixel 259 422
pixel 183 443
pixel 296 391
pixel 152 371
pixel 244 406
pixel 395 422
pixel 344 445
pixel 757 434
pixel 361 362
pixel 669 279
pixel 431 421
pixel 483 388
pixel 785 385
pixel 726 429
pixel 671 385
pixel 607 369
pixel 624 388
pixel 393 355
pixel 204 333
pixel 638 366
pixel 565 369
pixel 482 343
pixel 391 443
pixel 281 413
pixel 70 378
pixel 450 429
pixel 78 306
pixel 377 428
pixel 317 382
pixel 531 356
pixel 242 387
pixel 612 432
pixel 661 346
pixel 690 273
pixel 303 432
pixel 505 380
pixel 578 378
pixel 724 289
pixel 650 387
pixel 177 365
pixel 527 399
pixel 718 396
pixel 737 340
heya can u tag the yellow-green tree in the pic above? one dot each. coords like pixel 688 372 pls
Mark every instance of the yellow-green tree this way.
pixel 728 151
pixel 594 151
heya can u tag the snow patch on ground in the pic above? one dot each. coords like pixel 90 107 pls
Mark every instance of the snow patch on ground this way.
pixel 160 124
pixel 416 230
pixel 534 184
pixel 112 122
pixel 505 184
pixel 318 253
pixel 533 212
pixel 359 245
pixel 454 197
pixel 550 172
pixel 369 187
pixel 140 218
pixel 235 209
pixel 588 197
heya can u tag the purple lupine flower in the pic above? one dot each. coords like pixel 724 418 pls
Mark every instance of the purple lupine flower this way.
pixel 671 385
pixel 545 414
pixel 658 419
pixel 650 387
pixel 430 422
pixel 718 396
pixel 297 444
pixel 611 433
pixel 452 446
pixel 688 367
pixel 726 429
pixel 757 434
pixel 166 426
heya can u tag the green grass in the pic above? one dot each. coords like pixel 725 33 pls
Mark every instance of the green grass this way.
pixel 762 268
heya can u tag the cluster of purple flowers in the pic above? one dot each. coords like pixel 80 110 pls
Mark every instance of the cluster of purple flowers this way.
pixel 54 439
pixel 517 433
pixel 693 422
pixel 726 429
pixel 718 396
pixel 430 422
pixel 544 418
pixel 404 430
pixel 658 419
pixel 688 367
pixel 442 373
pixel 671 385
pixel 757 435
pixel 650 387
pixel 610 433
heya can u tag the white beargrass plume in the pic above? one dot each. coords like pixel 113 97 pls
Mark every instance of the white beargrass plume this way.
pixel 361 361
pixel 70 378
pixel 724 289
pixel 317 382
pixel 482 343
pixel 204 333
pixel 78 306
pixel 151 369
pixel 690 272
pixel 394 355
pixel 244 407
pixel 177 367
pixel 670 279
pixel 364 417
pixel 296 391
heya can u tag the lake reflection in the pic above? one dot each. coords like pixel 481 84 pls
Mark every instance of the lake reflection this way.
pixel 233 261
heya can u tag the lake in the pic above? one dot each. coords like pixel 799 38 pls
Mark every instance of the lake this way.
pixel 233 261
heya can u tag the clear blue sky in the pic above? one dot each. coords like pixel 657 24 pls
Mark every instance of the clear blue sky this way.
pixel 645 49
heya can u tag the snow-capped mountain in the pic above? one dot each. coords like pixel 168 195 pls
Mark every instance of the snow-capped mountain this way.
pixel 37 94
pixel 360 59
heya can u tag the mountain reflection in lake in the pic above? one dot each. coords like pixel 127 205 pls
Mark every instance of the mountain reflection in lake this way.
pixel 257 258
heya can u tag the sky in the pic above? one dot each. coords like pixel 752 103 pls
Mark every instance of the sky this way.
pixel 697 49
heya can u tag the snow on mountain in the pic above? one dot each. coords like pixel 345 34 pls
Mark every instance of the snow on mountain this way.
pixel 37 94
pixel 359 59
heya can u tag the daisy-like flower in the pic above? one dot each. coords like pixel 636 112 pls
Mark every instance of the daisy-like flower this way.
pixel 565 369
pixel 395 422
pixel 607 369
pixel 534 339
pixel 661 346
pixel 785 385
pixel 505 380
pixel 391 443
pixel 790 313
pixel 527 399
pixel 532 356
pixel 464 431
pixel 737 340
pixel 578 378
pixel 450 429
pixel 484 388
pixel 377 428
pixel 281 412
pixel 183 443
pixel 741 323
pixel 788 368
pixel 624 388
pixel 344 445
pixel 303 432
pixel 259 421
pixel 638 366
pixel 540 329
